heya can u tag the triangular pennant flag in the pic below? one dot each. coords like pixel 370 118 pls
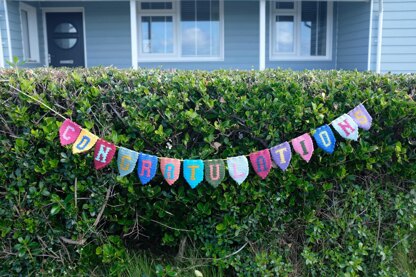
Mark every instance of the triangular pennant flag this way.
pixel 303 145
pixel 325 138
pixel 69 132
pixel 361 116
pixel 214 172
pixel 171 168
pixel 238 168
pixel 261 162
pixel 126 161
pixel 193 171
pixel 346 127
pixel 103 153
pixel 85 141
pixel 147 167
pixel 282 155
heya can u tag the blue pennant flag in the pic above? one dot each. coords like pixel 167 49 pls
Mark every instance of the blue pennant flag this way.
pixel 147 167
pixel 325 138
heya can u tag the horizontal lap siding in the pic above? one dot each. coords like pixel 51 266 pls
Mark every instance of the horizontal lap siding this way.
pixel 107 28
pixel 241 40
pixel 353 31
pixel 399 36
pixel 15 29
pixel 301 65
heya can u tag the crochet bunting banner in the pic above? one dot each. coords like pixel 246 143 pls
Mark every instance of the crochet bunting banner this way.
pixel 214 171
pixel 325 139
pixel 361 116
pixel 126 161
pixel 147 168
pixel 282 155
pixel 69 132
pixel 346 127
pixel 193 172
pixel 85 141
pixel 103 153
pixel 303 145
pixel 238 168
pixel 261 162
pixel 171 169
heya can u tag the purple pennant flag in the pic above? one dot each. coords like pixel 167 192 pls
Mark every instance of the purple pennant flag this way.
pixel 360 115
pixel 282 155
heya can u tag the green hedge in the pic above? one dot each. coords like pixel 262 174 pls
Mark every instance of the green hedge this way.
pixel 344 213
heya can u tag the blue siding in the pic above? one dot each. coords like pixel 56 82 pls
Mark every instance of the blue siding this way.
pixel 15 29
pixel 241 40
pixel 399 36
pixel 301 65
pixel 353 31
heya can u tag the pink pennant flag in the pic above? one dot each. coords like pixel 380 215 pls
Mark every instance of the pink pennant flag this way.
pixel 103 153
pixel 69 132
pixel 261 162
pixel 171 169
pixel 303 145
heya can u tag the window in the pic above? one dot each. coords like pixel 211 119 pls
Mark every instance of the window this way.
pixel 180 30
pixel 30 40
pixel 301 30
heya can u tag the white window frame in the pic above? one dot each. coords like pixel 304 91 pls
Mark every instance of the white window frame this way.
pixel 297 13
pixel 32 20
pixel 177 36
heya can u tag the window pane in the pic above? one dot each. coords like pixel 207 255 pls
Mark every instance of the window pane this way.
pixel 200 27
pixel 313 28
pixel 157 34
pixel 285 5
pixel 25 34
pixel 285 33
pixel 156 5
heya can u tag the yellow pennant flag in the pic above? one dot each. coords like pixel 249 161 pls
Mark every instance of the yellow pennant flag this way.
pixel 85 141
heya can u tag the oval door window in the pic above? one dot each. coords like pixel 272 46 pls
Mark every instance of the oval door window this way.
pixel 69 30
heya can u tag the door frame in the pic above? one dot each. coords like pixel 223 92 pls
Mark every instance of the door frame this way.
pixel 63 10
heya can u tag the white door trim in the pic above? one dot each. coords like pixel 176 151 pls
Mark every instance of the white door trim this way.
pixel 133 37
pixel 63 10
pixel 9 40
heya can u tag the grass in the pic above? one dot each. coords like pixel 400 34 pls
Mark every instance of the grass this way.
pixel 405 257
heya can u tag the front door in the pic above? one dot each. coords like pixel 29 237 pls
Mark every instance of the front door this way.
pixel 65 39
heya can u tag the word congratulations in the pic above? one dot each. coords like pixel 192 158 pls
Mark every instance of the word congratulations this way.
pixel 194 171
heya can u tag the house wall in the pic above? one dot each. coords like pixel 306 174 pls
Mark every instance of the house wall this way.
pixel 399 36
pixel 353 30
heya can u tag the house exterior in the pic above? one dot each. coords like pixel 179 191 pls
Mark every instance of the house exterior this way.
pixel 376 35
